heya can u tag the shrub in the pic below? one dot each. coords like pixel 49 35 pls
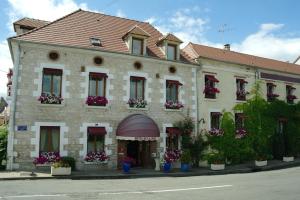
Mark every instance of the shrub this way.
pixel 70 160
pixel 215 158
pixel 3 143
pixel 186 157
pixel 60 163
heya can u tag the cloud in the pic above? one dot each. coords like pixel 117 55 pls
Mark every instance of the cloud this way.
pixel 266 43
pixel 151 20
pixel 5 64
pixel 41 9
pixel 120 13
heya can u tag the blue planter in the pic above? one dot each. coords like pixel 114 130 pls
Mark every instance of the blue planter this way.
pixel 185 167
pixel 167 167
pixel 126 167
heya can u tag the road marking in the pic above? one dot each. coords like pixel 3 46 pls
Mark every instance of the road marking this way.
pixel 161 191
pixel 34 195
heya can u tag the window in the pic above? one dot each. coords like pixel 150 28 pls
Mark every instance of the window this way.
pixel 240 89
pixel 172 90
pixel 95 139
pixel 281 125
pixel 172 138
pixel 239 121
pixel 215 118
pixel 52 82
pixel 49 138
pixel 137 46
pixel 137 87
pixel 210 88
pixel 97 84
pixel 271 96
pixel 290 97
pixel 171 52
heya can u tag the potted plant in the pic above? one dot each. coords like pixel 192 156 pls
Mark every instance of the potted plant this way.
pixel 170 157
pixel 126 163
pixel 216 161
pixel 59 168
pixel 185 160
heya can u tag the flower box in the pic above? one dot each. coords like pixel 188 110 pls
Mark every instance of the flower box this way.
pixel 240 133
pixel 261 163
pixel 173 105
pixel 60 171
pixel 272 96
pixel 288 159
pixel 96 101
pixel 96 157
pixel 50 99
pixel 216 132
pixel 216 167
pixel 137 103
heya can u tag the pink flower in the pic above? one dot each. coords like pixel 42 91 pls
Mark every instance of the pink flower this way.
pixel 96 101
pixel 98 156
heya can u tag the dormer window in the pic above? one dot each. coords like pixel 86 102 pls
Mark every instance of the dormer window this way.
pixel 95 41
pixel 137 46
pixel 171 52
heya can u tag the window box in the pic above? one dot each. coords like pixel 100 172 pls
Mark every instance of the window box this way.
pixel 137 103
pixel 96 101
pixel 141 109
pixel 290 98
pixel 51 105
pixel 272 97
pixel 50 99
pixel 96 157
pixel 241 95
pixel 171 105
pixel 45 159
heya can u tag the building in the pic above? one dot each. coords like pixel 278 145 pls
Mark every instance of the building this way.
pixel 92 82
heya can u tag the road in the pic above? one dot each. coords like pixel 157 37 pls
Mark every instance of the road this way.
pixel 273 185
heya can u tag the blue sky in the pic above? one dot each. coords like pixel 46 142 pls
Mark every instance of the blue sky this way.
pixel 268 28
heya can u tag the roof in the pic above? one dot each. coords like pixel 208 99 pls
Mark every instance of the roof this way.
pixel 30 23
pixel 201 51
pixel 76 29
pixel 169 37
pixel 136 30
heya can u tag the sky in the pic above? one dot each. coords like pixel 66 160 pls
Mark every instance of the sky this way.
pixel 268 28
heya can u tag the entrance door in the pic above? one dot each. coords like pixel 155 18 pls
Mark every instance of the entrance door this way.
pixel 133 152
pixel 140 151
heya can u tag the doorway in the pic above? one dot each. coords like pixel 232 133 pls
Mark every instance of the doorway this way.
pixel 140 151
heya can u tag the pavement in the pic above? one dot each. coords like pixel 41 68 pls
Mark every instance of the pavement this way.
pixel 266 185
pixel 147 173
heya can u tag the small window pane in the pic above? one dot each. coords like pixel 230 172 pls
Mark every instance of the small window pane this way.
pixel 137 45
pixel 101 87
pixel 56 85
pixel 171 52
pixel 132 89
pixel 140 89
pixel 95 143
pixel 46 84
pixel 92 87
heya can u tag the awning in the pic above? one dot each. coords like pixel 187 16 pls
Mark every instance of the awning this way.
pixel 173 131
pixel 98 75
pixel 173 82
pixel 212 78
pixel 96 130
pixel 137 127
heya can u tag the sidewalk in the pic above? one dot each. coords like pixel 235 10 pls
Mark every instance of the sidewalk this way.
pixel 144 173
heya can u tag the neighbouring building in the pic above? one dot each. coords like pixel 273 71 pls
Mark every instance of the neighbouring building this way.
pixel 91 82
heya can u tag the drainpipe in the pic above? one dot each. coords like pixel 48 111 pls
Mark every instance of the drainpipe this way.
pixel 10 141
pixel 197 98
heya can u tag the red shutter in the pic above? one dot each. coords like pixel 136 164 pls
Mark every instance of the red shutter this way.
pixel 96 130
pixel 52 71
pixel 211 78
pixel 172 131
pixel 98 75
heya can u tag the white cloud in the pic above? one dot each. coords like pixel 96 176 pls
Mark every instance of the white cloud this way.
pixel 151 20
pixel 41 9
pixel 120 13
pixel 265 43
pixel 5 64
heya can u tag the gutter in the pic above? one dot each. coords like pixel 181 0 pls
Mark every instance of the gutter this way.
pixel 12 116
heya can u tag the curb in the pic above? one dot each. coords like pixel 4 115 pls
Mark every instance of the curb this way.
pixel 157 175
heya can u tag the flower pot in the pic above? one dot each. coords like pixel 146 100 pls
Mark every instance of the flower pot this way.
pixel 167 167
pixel 217 166
pixel 126 167
pixel 60 171
pixel 261 163
pixel 185 167
pixel 288 159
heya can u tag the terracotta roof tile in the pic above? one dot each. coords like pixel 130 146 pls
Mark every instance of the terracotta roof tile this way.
pixel 197 50
pixel 31 23
pixel 77 28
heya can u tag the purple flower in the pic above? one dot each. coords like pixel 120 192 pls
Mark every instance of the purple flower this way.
pixel 216 132
pixel 96 101
pixel 98 156
pixel 46 157
pixel 171 156
pixel 173 105
pixel 240 133
pixel 50 99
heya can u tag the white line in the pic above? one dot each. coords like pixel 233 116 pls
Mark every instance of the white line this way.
pixel 34 195
pixel 161 191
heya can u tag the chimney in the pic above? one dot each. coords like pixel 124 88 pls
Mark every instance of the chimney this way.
pixel 227 47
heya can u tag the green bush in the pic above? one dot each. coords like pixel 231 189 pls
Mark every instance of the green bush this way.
pixel 215 158
pixel 70 160
pixel 60 163
pixel 186 157
pixel 3 143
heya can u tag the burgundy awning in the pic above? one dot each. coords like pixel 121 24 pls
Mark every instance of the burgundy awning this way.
pixel 137 78
pixel 98 75
pixel 172 82
pixel 53 71
pixel 212 78
pixel 96 130
pixel 172 131
pixel 137 127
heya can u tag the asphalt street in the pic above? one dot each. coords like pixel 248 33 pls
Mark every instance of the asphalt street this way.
pixel 273 185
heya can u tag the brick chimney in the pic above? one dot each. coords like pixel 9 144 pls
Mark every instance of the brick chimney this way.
pixel 227 47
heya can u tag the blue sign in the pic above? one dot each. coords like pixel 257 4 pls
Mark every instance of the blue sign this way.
pixel 22 128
